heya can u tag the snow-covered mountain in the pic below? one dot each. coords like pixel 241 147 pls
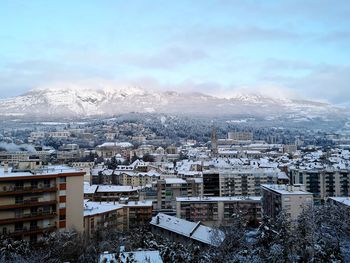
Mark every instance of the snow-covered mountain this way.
pixel 77 101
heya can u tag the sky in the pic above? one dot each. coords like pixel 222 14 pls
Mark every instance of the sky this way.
pixel 289 48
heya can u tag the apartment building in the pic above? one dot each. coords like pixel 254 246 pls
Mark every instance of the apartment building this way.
pixel 110 149
pixel 110 193
pixel 138 178
pixel 288 198
pixel 39 200
pixel 102 214
pixel 13 158
pixel 116 215
pixel 240 181
pixel 170 188
pixel 64 135
pixel 323 183
pixel 219 211
pixel 240 136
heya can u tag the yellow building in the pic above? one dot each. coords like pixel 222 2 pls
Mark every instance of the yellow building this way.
pixel 40 200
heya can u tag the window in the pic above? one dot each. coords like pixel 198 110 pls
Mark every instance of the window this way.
pixel 62 179
pixel 62 217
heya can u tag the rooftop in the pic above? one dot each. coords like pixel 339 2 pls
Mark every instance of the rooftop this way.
pixel 116 188
pixel 134 256
pixel 45 170
pixel 189 229
pixel 286 189
pixel 342 200
pixel 218 199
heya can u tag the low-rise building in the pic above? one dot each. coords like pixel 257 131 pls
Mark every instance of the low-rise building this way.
pixel 291 199
pixel 110 193
pixel 139 256
pixel 186 232
pixel 138 178
pixel 118 215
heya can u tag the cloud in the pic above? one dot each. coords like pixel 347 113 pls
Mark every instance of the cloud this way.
pixel 228 35
pixel 322 82
pixel 330 83
pixel 165 59
pixel 342 37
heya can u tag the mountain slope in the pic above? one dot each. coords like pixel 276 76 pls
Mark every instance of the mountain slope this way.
pixel 75 101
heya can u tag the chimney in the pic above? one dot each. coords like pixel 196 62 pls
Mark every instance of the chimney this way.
pixel 6 167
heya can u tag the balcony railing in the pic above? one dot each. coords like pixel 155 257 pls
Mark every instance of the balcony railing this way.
pixel 24 231
pixel 9 190
pixel 27 203
pixel 28 216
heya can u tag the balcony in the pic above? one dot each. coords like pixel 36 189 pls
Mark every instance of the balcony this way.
pixel 27 203
pixel 30 231
pixel 13 190
pixel 28 217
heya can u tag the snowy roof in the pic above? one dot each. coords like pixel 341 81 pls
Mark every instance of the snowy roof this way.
pixel 286 189
pixel 95 208
pixel 89 189
pixel 116 144
pixel 174 181
pixel 45 170
pixel 219 199
pixel 139 203
pixel 134 256
pixel 192 230
pixel 116 188
pixel 342 200
pixel 140 257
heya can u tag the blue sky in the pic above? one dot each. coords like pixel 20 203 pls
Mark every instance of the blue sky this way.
pixel 287 48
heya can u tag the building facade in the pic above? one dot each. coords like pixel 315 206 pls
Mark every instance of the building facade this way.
pixel 323 183
pixel 291 199
pixel 219 211
pixel 41 200
pixel 170 188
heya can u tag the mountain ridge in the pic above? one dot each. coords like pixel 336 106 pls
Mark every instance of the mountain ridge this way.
pixel 77 101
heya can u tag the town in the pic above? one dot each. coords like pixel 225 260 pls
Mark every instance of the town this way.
pixel 197 189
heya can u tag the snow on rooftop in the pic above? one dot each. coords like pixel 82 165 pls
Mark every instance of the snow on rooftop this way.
pixel 89 189
pixel 218 198
pixel 116 188
pixel 95 208
pixel 343 200
pixel 133 256
pixel 188 229
pixel 286 189
pixel 116 144
pixel 45 170
pixel 174 181
pixel 141 257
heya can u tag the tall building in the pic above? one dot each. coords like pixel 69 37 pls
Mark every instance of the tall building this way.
pixel 219 211
pixel 214 142
pixel 42 199
pixel 288 198
pixel 170 188
pixel 240 181
pixel 211 183
pixel 322 183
